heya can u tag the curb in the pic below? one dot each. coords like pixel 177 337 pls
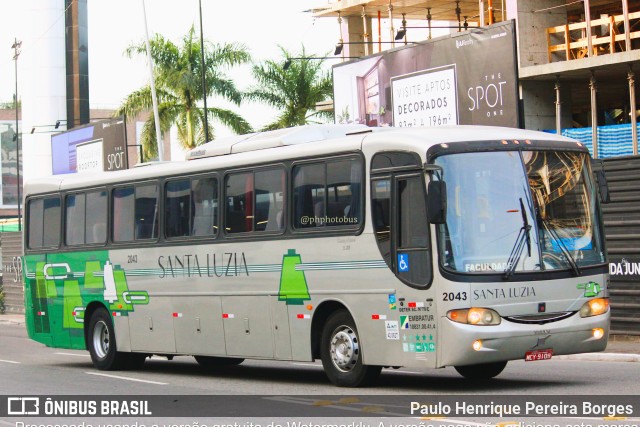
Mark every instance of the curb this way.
pixel 601 357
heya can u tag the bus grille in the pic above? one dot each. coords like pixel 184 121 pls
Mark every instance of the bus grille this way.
pixel 540 319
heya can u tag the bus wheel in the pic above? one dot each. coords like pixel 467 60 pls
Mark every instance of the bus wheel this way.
pixel 482 371
pixel 342 354
pixel 101 342
pixel 216 362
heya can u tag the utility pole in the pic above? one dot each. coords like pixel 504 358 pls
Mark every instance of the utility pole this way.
pixel 16 53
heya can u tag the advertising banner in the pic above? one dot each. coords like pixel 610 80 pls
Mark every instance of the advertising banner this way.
pixel 76 150
pixel 464 78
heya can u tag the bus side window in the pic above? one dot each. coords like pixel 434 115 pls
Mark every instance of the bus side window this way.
pixel 75 219
pixel 96 217
pixel 177 206
pixel 204 194
pixel 123 211
pixel 35 215
pixel 381 211
pixel 309 195
pixel 269 200
pixel 239 211
pixel 52 213
pixel 146 212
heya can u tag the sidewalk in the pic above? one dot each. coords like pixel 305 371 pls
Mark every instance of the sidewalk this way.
pixel 619 349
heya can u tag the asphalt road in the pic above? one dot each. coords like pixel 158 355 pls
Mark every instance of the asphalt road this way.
pixel 29 368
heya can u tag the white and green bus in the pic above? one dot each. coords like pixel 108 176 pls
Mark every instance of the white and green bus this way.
pixel 365 248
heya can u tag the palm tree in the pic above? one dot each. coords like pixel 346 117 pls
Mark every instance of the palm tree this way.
pixel 177 75
pixel 293 87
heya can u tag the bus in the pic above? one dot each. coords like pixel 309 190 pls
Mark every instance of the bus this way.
pixel 365 248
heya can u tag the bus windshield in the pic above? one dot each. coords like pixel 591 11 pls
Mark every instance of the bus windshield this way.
pixel 516 211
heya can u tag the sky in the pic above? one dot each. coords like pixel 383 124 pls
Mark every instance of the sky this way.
pixel 115 24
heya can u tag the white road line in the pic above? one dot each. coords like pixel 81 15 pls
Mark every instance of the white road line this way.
pixel 125 378
pixel 10 361
pixel 306 364
pixel 73 354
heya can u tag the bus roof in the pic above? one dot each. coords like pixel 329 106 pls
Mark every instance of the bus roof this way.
pixel 304 141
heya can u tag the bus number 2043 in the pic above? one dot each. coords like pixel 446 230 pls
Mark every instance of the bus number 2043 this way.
pixel 453 296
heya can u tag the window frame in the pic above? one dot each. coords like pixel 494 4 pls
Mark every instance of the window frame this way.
pixel 43 197
pixel 337 229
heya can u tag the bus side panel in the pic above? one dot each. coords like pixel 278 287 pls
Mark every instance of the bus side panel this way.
pixel 198 325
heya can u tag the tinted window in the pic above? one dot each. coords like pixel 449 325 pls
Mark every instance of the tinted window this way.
pixel 269 205
pixel 75 215
pixel 123 209
pixel 239 203
pixel 35 211
pixel 177 207
pixel 205 206
pixel 381 211
pixel 146 213
pixel 327 194
pixel 51 222
pixel 96 217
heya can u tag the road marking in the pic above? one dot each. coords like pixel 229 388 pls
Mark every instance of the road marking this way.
pixel 73 354
pixel 7 423
pixel 10 361
pixel 125 378
pixel 306 364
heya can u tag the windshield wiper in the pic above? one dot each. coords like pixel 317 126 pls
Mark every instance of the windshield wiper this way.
pixel 524 236
pixel 554 235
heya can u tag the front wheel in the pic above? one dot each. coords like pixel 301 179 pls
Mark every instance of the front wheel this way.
pixel 341 353
pixel 101 343
pixel 483 371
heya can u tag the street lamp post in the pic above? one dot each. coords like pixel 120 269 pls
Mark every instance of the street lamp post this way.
pixel 16 53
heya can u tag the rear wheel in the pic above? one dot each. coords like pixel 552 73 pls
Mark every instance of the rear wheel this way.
pixel 216 362
pixel 484 371
pixel 341 353
pixel 101 343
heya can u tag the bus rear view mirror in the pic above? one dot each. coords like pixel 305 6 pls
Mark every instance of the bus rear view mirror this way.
pixel 437 202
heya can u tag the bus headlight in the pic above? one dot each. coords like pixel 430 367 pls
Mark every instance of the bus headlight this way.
pixel 475 316
pixel 594 307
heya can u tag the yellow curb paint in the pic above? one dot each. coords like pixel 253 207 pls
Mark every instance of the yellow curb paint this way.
pixel 322 403
pixel 614 418
pixel 373 409
pixel 349 400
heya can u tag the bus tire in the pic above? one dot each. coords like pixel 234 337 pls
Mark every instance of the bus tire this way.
pixel 101 343
pixel 483 371
pixel 341 353
pixel 211 362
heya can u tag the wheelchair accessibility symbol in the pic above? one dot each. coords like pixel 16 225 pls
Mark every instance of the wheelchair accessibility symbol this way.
pixel 403 263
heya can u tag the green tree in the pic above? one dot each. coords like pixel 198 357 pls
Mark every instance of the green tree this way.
pixel 178 78
pixel 294 87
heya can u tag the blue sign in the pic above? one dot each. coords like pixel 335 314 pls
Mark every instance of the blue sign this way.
pixel 403 263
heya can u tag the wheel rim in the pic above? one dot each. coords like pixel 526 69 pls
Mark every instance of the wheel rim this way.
pixel 101 339
pixel 345 350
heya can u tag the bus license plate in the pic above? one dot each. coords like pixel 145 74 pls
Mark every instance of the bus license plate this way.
pixel 532 356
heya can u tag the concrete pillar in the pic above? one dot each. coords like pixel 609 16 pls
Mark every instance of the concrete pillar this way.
pixel 558 108
pixel 77 62
pixel 356 33
pixel 594 114
pixel 541 108
pixel 533 17
pixel 43 88
pixel 632 104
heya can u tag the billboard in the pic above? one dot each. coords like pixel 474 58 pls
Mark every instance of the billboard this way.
pixel 99 146
pixel 464 78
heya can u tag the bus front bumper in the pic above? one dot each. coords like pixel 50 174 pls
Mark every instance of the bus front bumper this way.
pixel 512 341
